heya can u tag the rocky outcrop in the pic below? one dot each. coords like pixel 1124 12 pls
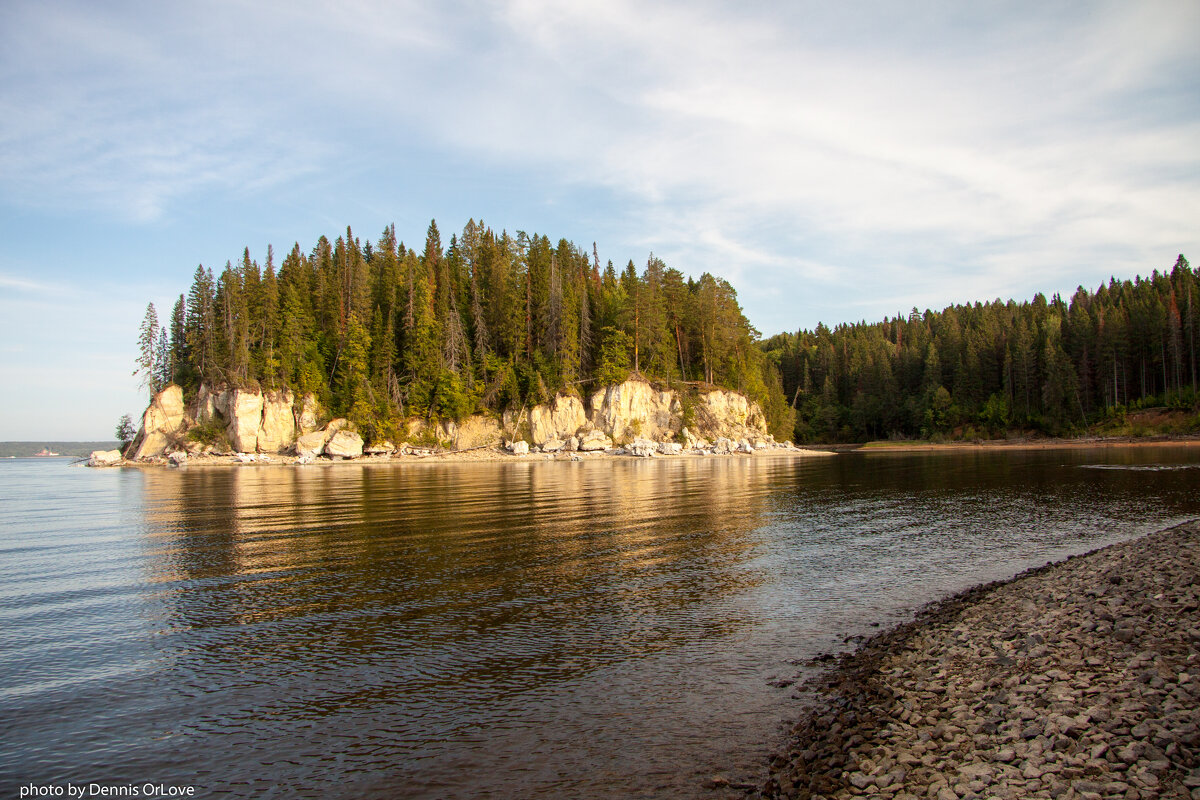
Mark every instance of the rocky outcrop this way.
pixel 310 445
pixel 477 430
pixel 162 424
pixel 104 458
pixel 561 418
pixel 635 408
pixel 633 413
pixel 308 418
pixel 244 415
pixel 277 429
pixel 344 444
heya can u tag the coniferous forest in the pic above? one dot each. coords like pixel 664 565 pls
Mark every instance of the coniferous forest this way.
pixel 380 331
pixel 984 370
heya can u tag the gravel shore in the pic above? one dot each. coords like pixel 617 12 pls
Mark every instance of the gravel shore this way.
pixel 1079 679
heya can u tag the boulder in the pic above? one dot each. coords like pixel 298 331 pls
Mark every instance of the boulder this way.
pixel 344 444
pixel 162 423
pixel 723 446
pixel 245 418
pixel 104 458
pixel 277 429
pixel 177 458
pixel 642 448
pixel 518 448
pixel 310 444
pixel 593 439
pixel 572 444
pixel 384 448
pixel 670 448
pixel 553 446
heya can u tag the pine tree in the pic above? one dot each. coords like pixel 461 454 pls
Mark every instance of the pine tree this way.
pixel 148 351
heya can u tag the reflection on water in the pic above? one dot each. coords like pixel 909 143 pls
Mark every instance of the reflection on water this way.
pixel 499 629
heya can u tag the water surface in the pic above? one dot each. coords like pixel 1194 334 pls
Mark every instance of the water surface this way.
pixel 592 629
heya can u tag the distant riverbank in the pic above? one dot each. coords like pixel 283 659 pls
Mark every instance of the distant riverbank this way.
pixel 1077 679
pixel 1012 444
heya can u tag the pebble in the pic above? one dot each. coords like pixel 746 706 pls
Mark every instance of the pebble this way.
pixel 1074 680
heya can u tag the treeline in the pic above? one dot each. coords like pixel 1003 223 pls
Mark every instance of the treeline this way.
pixel 981 370
pixel 379 331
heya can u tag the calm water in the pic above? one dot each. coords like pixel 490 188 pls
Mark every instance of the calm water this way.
pixel 594 629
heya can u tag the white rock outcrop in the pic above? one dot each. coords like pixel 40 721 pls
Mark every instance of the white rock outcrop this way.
pixel 518 448
pixel 561 418
pixel 162 423
pixel 635 408
pixel 104 458
pixel 344 444
pixel 309 417
pixel 277 428
pixel 245 411
pixel 592 440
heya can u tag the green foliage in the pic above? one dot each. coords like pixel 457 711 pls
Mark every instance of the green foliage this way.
pixel 207 433
pixel 491 322
pixel 612 362
pixel 1001 368
pixel 125 430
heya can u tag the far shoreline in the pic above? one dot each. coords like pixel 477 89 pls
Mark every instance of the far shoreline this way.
pixel 1083 443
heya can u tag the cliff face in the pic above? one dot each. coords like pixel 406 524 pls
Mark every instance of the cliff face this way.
pixel 252 421
pixel 634 409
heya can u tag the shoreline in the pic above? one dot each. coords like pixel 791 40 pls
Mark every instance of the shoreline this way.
pixel 1076 679
pixel 1081 443
pixel 490 455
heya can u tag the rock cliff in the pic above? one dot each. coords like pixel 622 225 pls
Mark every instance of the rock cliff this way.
pixel 634 415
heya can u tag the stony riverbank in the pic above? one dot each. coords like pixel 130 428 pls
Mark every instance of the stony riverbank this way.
pixel 1079 679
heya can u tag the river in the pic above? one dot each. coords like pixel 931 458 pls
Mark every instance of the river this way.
pixel 615 628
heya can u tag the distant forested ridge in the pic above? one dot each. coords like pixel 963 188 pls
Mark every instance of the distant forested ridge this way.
pixel 380 331
pixel 1048 366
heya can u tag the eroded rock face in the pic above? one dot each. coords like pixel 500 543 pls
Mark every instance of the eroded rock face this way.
pixel 344 444
pixel 162 422
pixel 245 417
pixel 277 430
pixel 561 418
pixel 635 408
pixel 309 417
pixel 476 430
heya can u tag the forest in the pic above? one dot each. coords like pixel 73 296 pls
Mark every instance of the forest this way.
pixel 380 331
pixel 983 370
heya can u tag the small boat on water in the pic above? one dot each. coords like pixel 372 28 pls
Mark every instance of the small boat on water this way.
pixel 45 453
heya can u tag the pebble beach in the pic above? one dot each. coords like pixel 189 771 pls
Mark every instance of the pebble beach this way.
pixel 1079 679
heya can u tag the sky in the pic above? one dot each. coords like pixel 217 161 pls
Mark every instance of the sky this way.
pixel 835 162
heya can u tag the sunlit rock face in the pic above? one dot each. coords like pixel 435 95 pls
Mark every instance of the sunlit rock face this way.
pixel 162 422
pixel 245 417
pixel 559 419
pixel 277 430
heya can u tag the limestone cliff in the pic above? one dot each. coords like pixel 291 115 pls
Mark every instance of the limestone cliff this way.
pixel 633 414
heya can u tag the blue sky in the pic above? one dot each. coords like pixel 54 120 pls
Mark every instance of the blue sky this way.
pixel 835 161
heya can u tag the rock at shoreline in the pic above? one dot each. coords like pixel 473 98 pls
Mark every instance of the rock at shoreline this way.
pixel 311 444
pixel 162 422
pixel 344 444
pixel 1080 679
pixel 277 428
pixel 104 458
pixel 593 440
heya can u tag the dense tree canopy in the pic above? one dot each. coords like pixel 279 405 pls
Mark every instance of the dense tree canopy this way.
pixel 490 321
pixel 975 370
